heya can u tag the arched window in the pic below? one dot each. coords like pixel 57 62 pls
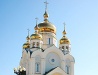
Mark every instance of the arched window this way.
pixel 67 69
pixel 37 44
pixel 49 41
pixel 63 47
pixel 33 44
pixel 37 67
pixel 67 47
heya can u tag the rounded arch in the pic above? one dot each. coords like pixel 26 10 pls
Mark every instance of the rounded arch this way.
pixel 69 57
pixel 37 58
pixel 52 60
pixel 24 52
pixel 37 64
pixel 37 53
pixel 25 55
pixel 54 50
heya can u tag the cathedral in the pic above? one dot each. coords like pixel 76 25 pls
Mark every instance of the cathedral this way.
pixel 41 56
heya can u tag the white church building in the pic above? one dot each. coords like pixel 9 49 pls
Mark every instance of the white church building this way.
pixel 40 56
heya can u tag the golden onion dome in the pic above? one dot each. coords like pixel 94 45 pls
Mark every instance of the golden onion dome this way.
pixel 64 40
pixel 26 45
pixel 47 27
pixel 36 36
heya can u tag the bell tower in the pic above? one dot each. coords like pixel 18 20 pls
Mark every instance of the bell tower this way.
pixel 64 43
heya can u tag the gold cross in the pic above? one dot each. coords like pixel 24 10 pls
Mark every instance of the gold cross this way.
pixel 36 20
pixel 28 31
pixel 64 25
pixel 46 3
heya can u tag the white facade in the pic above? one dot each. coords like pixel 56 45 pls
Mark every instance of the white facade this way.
pixel 42 57
pixel 39 63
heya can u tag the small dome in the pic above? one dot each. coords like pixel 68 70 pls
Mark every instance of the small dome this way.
pixel 64 32
pixel 28 38
pixel 47 27
pixel 26 45
pixel 46 15
pixel 36 36
pixel 36 27
pixel 64 40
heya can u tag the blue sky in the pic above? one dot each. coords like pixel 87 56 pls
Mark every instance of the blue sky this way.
pixel 80 16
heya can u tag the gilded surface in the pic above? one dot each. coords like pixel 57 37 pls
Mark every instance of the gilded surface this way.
pixel 36 36
pixel 47 27
pixel 26 45
pixel 64 40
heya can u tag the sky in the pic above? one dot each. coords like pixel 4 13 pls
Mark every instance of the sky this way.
pixel 80 16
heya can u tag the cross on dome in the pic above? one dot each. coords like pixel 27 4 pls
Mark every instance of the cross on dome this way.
pixel 46 14
pixel 28 37
pixel 36 27
pixel 46 3
pixel 28 31
pixel 64 25
pixel 64 32
pixel 36 20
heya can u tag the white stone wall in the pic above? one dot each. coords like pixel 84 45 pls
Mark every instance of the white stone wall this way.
pixel 52 57
pixel 46 36
pixel 52 60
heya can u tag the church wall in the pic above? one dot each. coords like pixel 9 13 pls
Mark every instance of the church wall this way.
pixel 48 39
pixel 36 41
pixel 52 60
pixel 38 64
pixel 40 54
pixel 69 61
pixel 72 68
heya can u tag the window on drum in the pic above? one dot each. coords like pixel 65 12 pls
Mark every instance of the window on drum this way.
pixel 49 41
pixel 37 44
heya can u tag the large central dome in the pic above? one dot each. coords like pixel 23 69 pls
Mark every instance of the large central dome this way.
pixel 47 27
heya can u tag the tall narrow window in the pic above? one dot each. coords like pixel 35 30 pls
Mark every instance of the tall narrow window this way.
pixel 37 44
pixel 67 47
pixel 37 67
pixel 49 41
pixel 62 47
pixel 67 69
pixel 33 44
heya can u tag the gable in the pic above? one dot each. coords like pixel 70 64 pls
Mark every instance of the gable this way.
pixel 55 50
pixel 56 71
pixel 70 57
